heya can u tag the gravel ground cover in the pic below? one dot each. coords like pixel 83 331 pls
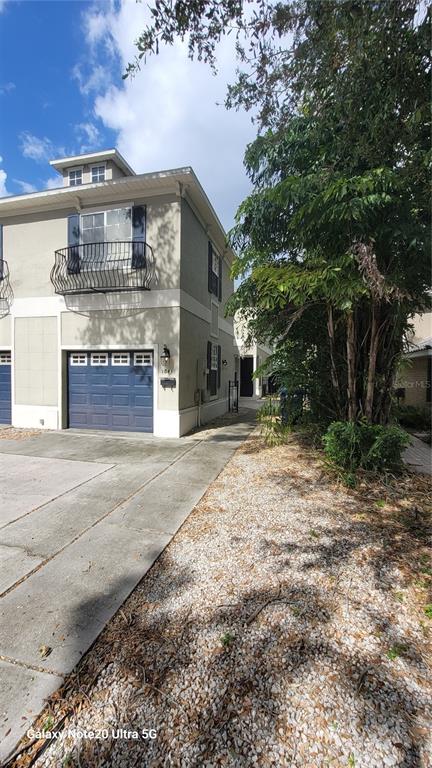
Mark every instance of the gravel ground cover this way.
pixel 285 625
pixel 13 433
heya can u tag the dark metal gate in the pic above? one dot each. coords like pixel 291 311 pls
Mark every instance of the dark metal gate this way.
pixel 233 396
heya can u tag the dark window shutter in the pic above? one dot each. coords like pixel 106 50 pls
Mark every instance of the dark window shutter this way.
pixel 1 253
pixel 209 350
pixel 429 380
pixel 138 237
pixel 210 267
pixel 220 280
pixel 219 370
pixel 73 258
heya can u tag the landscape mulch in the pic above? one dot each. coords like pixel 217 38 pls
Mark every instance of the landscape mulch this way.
pixel 286 624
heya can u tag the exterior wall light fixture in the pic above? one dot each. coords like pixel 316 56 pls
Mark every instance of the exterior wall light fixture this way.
pixel 165 359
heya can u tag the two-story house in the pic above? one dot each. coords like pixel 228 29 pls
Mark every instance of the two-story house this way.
pixel 112 293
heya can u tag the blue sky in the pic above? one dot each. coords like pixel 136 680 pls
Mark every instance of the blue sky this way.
pixel 61 92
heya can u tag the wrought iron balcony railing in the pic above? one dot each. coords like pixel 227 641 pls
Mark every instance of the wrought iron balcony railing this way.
pixel 103 267
pixel 6 293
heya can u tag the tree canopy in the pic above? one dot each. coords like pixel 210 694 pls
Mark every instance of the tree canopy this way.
pixel 333 243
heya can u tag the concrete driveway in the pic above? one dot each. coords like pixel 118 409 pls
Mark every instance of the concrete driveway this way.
pixel 83 517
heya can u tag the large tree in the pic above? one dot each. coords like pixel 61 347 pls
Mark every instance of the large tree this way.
pixel 333 243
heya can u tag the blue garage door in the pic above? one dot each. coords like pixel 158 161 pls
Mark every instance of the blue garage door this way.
pixel 111 390
pixel 5 388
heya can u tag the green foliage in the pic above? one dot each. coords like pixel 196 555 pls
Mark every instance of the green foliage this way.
pixel 396 650
pixel 333 243
pixel 427 610
pixel 351 446
pixel 412 417
pixel 227 639
pixel 272 430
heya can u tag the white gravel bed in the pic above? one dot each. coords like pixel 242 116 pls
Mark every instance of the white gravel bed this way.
pixel 283 626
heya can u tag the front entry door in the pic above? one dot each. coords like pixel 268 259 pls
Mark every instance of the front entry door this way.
pixel 246 381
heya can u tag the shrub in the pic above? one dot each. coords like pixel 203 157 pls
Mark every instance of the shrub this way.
pixel 412 417
pixel 351 446
pixel 272 430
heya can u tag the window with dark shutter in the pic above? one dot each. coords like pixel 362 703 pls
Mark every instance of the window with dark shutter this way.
pixel 429 380
pixel 212 366
pixel 210 267
pixel 209 353
pixel 138 237
pixel 73 259
pixel 214 272
pixel 219 365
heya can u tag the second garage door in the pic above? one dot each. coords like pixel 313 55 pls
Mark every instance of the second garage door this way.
pixel 111 390
pixel 5 388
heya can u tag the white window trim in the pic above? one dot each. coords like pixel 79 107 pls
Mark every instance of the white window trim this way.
pixel 120 354
pixel 79 362
pixel 5 358
pixel 93 167
pixel 215 260
pixel 143 354
pixel 104 355
pixel 212 366
pixel 76 168
pixel 104 212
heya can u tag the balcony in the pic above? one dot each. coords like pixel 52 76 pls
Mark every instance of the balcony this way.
pixel 6 293
pixel 103 268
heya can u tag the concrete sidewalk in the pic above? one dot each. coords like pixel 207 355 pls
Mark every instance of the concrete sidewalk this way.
pixel 418 456
pixel 86 517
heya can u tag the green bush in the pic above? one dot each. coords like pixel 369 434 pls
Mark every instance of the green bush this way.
pixel 412 417
pixel 351 446
pixel 272 430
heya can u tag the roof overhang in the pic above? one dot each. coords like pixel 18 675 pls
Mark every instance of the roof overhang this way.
pixel 93 157
pixel 179 181
pixel 423 352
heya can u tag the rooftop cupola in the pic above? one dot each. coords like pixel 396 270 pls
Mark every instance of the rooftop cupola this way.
pixel 92 168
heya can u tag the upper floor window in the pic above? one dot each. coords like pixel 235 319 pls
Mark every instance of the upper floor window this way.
pixel 214 272
pixel 75 177
pixel 107 226
pixel 98 173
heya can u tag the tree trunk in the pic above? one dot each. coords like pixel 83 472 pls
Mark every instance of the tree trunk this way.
pixel 373 352
pixel 333 368
pixel 351 366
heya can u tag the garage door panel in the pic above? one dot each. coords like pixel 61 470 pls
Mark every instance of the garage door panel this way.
pixel 120 400
pixel 142 401
pixel 5 389
pixel 77 399
pixel 99 399
pixel 111 396
pixel 100 420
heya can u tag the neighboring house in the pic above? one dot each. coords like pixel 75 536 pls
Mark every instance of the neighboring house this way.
pixel 414 379
pixel 251 357
pixel 119 283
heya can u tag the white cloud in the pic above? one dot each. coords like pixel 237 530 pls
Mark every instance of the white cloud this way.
pixel 167 115
pixel 25 186
pixel 53 182
pixel 89 136
pixel 39 149
pixel 3 177
pixel 91 80
pixel 2 5
pixel 7 87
